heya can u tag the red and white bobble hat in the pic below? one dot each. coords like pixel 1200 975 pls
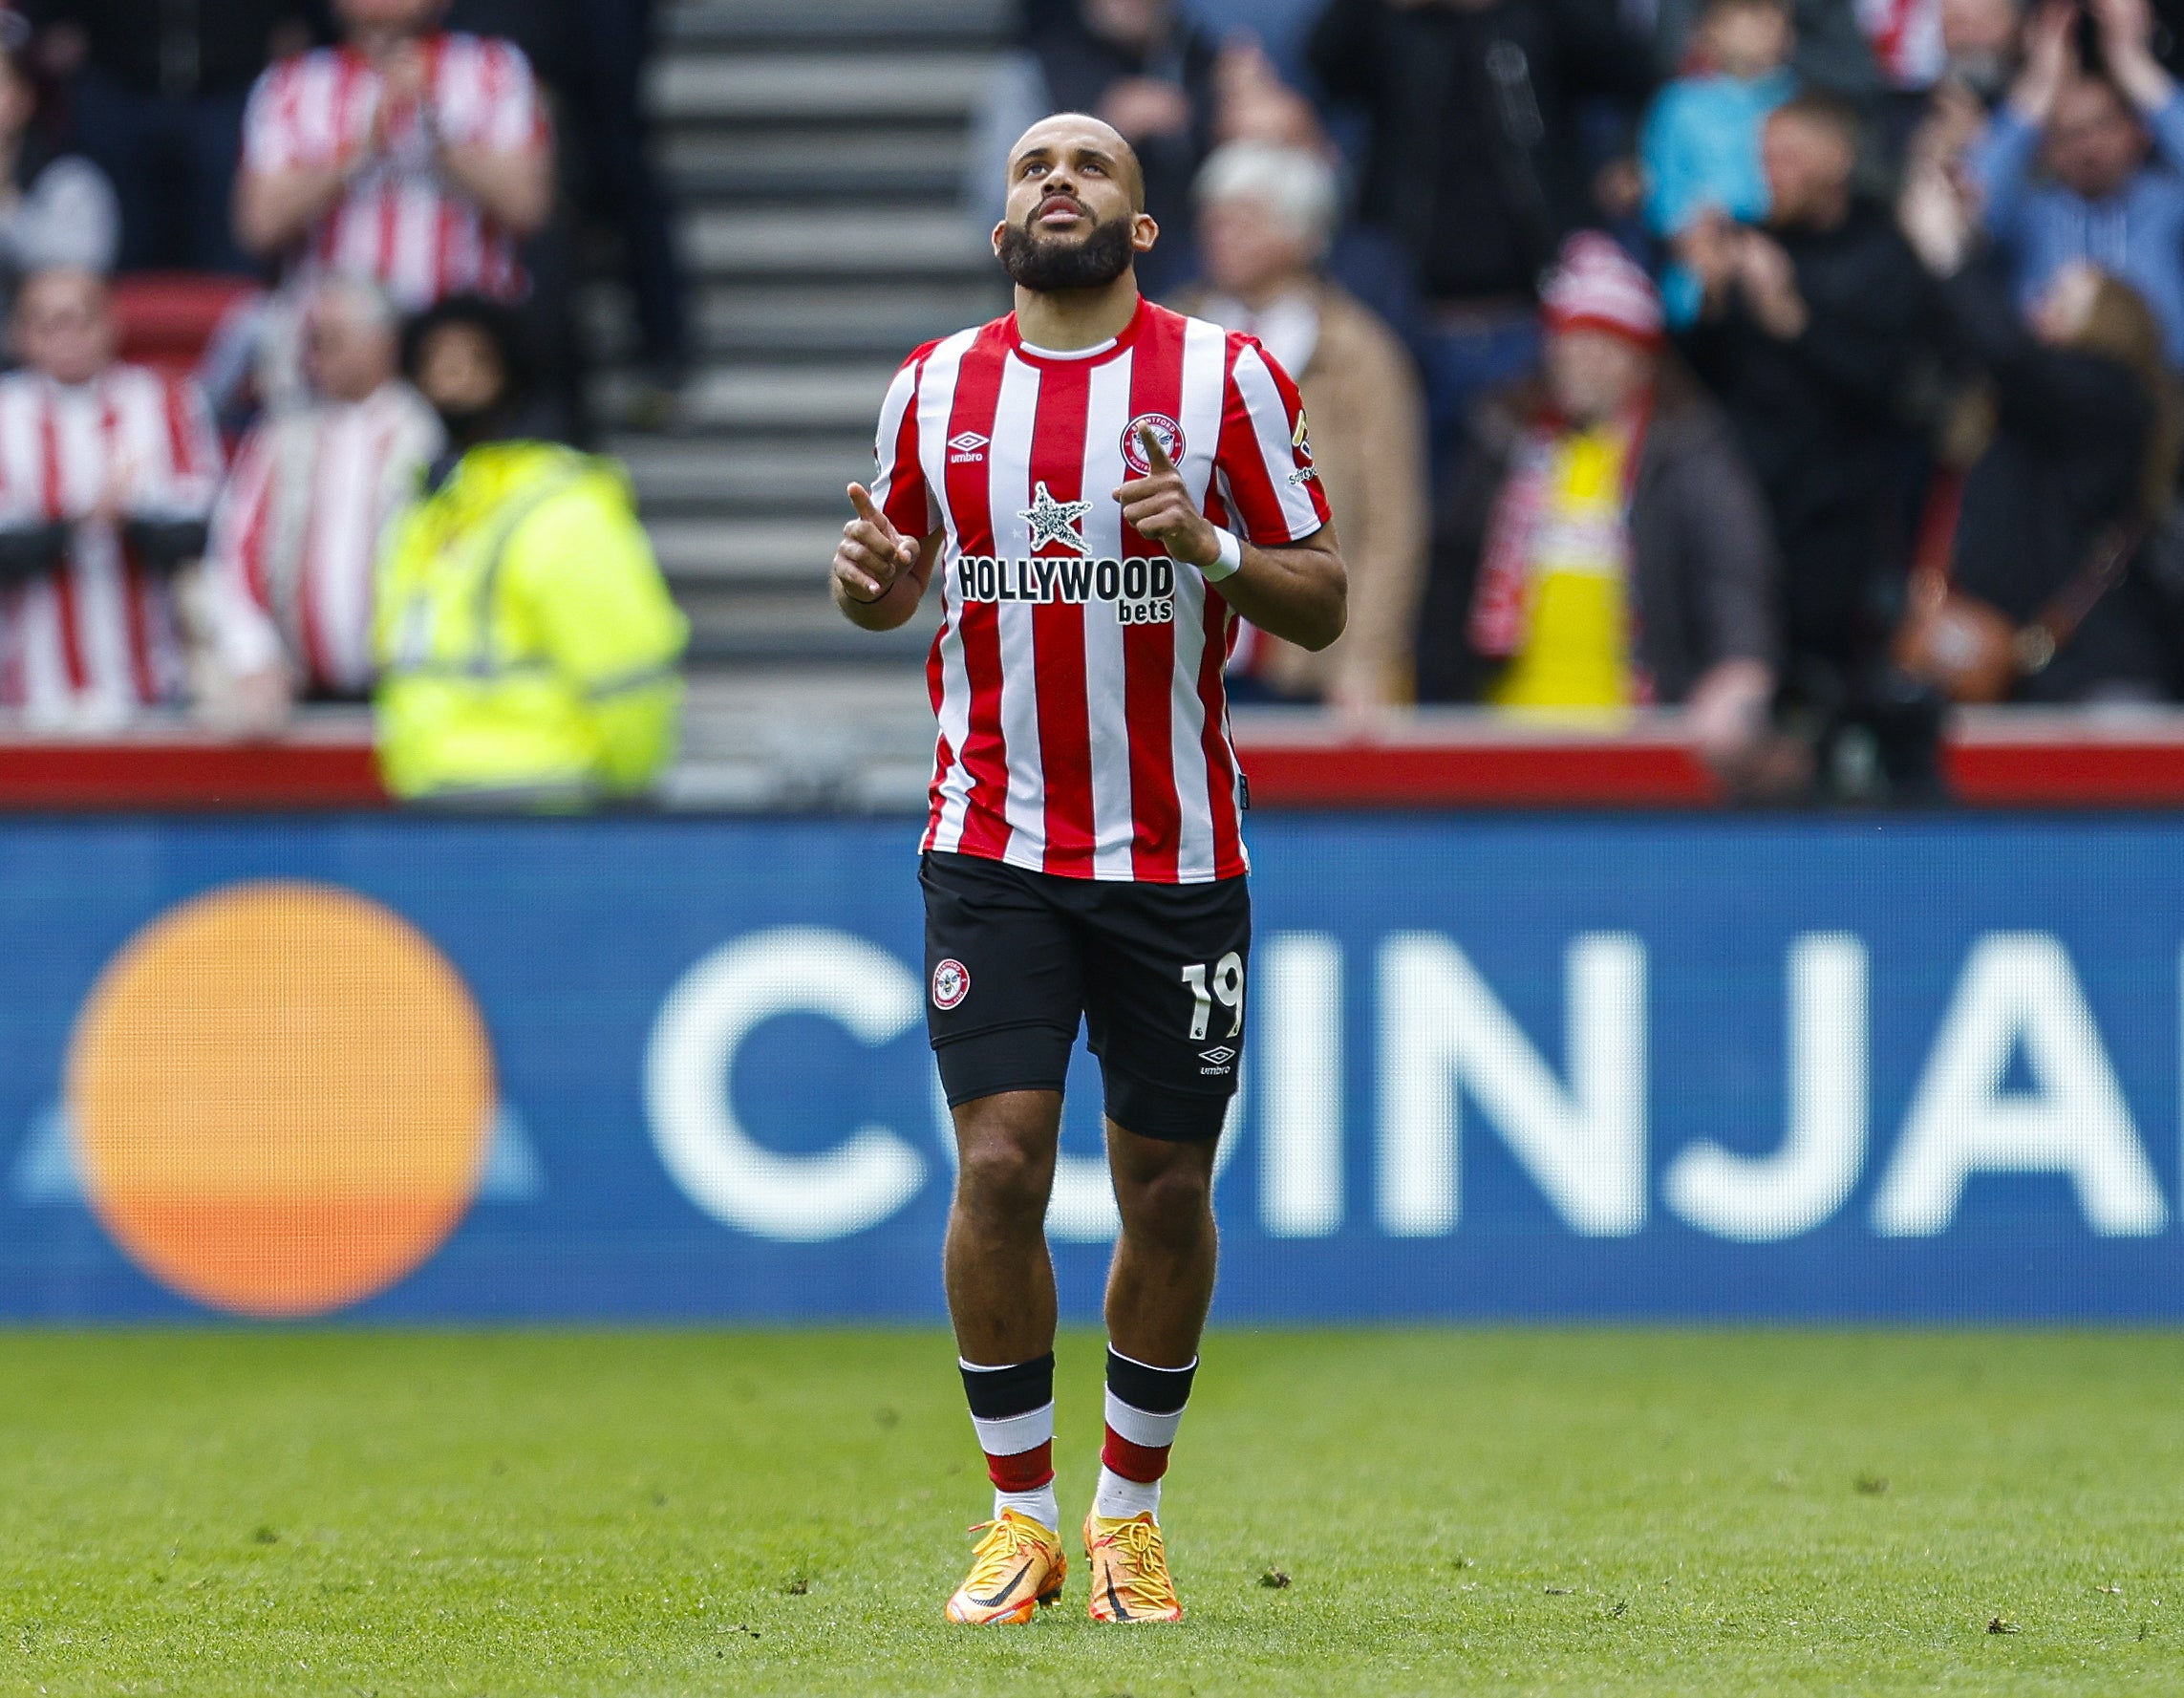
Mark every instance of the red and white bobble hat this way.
pixel 1597 285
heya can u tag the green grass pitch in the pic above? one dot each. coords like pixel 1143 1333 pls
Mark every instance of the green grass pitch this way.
pixel 1587 1512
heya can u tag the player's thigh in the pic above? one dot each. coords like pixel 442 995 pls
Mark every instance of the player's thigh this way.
pixel 1005 980
pixel 1166 971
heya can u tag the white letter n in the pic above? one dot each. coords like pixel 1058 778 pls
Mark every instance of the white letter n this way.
pixel 1444 1032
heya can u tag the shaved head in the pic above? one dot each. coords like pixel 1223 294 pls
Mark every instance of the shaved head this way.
pixel 1070 136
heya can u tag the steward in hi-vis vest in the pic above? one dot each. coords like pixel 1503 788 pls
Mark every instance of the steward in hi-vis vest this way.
pixel 527 642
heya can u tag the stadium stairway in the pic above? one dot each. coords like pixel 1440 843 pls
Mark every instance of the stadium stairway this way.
pixel 816 151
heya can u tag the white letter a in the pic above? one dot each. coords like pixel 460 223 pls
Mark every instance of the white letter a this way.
pixel 2018 989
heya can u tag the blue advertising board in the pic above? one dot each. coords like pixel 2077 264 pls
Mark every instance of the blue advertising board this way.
pixel 1666 1067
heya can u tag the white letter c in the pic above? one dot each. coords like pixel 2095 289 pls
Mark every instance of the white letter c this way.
pixel 798 1199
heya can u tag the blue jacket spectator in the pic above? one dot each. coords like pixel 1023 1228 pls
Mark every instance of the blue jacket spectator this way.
pixel 1700 146
pixel 2113 195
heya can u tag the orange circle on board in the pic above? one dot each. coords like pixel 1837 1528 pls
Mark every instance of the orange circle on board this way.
pixel 280 1094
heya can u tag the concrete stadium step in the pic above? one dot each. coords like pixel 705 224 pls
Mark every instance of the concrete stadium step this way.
pixel 722 23
pixel 835 737
pixel 881 318
pixel 838 87
pixel 678 475
pixel 836 161
pixel 741 626
pixel 881 241
pixel 746 550
pixel 817 149
pixel 783 397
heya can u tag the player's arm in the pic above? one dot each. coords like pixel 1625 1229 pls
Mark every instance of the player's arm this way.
pixel 1299 593
pixel 879 574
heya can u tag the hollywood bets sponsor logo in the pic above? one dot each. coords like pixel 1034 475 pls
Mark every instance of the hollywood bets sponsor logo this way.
pixel 1142 590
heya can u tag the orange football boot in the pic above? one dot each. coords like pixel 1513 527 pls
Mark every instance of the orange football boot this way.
pixel 1016 1567
pixel 1131 1582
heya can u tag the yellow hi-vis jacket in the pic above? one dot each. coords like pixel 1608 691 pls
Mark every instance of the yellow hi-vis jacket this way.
pixel 526 639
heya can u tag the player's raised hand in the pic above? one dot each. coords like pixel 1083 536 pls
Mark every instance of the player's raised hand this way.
pixel 872 553
pixel 1158 507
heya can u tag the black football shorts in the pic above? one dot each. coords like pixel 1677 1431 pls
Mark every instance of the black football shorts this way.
pixel 1015 959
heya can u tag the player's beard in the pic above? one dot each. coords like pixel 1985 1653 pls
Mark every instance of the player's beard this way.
pixel 1048 266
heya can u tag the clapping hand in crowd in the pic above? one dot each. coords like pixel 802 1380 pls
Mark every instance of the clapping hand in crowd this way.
pixel 1730 258
pixel 1939 208
pixel 2127 48
pixel 2050 61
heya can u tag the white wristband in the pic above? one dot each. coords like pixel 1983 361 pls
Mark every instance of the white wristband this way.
pixel 1230 560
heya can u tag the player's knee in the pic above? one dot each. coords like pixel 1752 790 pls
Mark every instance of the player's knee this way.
pixel 1003 1178
pixel 1170 1206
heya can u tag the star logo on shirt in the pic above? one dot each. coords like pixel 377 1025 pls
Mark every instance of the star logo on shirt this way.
pixel 1054 521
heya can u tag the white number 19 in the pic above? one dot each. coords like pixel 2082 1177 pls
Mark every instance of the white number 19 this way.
pixel 1226 986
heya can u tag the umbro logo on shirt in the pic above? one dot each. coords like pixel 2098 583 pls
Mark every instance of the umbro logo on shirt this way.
pixel 966 448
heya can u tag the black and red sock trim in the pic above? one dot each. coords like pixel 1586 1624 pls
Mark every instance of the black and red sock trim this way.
pixel 1145 1407
pixel 1013 1409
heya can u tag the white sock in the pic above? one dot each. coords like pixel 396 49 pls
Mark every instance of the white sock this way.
pixel 1040 1505
pixel 1119 1499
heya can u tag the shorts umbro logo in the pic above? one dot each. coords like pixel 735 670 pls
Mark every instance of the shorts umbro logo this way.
pixel 1218 1057
pixel 951 984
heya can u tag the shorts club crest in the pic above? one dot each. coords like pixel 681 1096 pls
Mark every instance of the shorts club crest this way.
pixel 1078 672
pixel 951 984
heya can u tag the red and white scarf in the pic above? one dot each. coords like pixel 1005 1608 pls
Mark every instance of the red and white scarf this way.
pixel 1501 606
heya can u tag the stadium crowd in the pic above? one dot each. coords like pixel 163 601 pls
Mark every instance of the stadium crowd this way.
pixel 1808 363
pixel 395 515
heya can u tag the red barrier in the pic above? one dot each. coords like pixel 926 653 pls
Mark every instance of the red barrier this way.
pixel 1996 758
pixel 1460 758
pixel 168 769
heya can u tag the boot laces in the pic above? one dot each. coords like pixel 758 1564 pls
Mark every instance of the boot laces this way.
pixel 1144 1569
pixel 1008 1542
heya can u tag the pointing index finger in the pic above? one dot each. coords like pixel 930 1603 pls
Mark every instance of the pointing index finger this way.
pixel 869 510
pixel 1156 451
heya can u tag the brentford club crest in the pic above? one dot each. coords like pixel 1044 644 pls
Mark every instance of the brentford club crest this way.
pixel 951 984
pixel 1166 431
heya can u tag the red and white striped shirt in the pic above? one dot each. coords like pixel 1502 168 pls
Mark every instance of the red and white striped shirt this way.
pixel 400 220
pixel 1078 671
pixel 295 539
pixel 96 640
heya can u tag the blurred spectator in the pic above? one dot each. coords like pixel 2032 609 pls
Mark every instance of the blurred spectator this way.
pixel 409 156
pixel 107 472
pixel 1905 37
pixel 1251 102
pixel 156 91
pixel 1473 164
pixel 2105 200
pixel 54 213
pixel 1701 147
pixel 592 55
pixel 2080 470
pixel 1605 547
pixel 1807 330
pixel 1266 214
pixel 1833 50
pixel 1979 43
pixel 295 538
pixel 528 645
pixel 1145 69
